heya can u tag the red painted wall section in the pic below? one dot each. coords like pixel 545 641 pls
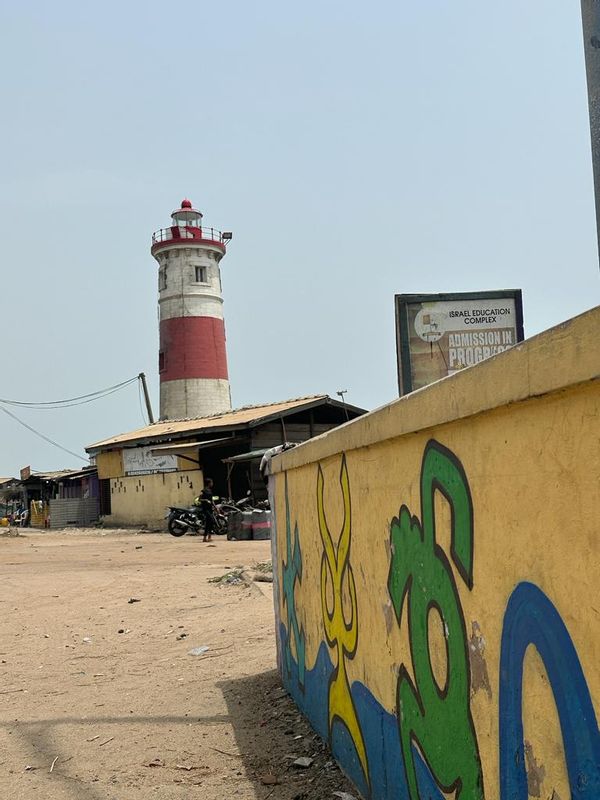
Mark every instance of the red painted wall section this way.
pixel 192 347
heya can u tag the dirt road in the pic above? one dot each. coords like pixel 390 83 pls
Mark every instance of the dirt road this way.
pixel 100 698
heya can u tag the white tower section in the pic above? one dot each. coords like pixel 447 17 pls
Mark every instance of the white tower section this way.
pixel 192 358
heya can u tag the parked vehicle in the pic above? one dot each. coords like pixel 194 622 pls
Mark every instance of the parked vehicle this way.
pixel 191 520
pixel 227 506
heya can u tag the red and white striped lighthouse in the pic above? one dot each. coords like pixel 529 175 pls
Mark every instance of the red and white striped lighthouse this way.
pixel 192 359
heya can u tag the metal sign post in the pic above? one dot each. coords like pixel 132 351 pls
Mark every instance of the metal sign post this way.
pixel 590 14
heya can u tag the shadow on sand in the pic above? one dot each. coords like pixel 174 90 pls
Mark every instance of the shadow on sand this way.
pixel 271 734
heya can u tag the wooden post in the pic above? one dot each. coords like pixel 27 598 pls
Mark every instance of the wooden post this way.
pixel 142 378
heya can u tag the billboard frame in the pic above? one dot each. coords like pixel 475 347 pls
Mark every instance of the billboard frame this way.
pixel 401 303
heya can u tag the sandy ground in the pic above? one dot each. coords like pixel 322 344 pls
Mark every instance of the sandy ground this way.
pixel 93 713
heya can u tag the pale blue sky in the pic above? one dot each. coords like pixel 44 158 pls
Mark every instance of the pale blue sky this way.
pixel 355 150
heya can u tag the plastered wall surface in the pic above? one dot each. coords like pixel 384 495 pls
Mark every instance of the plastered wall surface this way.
pixel 437 592
pixel 185 397
pixel 143 499
pixel 110 464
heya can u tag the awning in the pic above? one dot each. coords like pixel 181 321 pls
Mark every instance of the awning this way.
pixel 253 455
pixel 186 448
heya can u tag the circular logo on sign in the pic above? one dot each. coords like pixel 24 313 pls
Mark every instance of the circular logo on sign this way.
pixel 430 325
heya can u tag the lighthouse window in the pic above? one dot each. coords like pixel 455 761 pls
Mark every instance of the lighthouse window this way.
pixel 161 361
pixel 162 279
pixel 200 274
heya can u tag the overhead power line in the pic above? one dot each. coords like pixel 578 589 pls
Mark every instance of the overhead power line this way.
pixel 70 401
pixel 42 436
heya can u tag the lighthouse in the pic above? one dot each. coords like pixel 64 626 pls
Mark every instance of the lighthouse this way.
pixel 192 359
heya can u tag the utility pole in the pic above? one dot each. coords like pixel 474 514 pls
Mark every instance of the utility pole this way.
pixel 142 378
pixel 590 16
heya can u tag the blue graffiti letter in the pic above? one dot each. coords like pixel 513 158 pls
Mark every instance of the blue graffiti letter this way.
pixel 532 619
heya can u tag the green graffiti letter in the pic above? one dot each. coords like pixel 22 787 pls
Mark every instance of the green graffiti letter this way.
pixel 436 719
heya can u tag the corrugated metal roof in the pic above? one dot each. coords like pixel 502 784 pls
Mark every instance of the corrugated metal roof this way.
pixel 72 475
pixel 230 419
pixel 49 476
pixel 61 474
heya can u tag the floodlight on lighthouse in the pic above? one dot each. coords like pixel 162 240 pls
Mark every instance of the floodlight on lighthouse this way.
pixel 227 236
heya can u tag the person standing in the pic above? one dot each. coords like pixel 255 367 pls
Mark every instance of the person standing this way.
pixel 208 509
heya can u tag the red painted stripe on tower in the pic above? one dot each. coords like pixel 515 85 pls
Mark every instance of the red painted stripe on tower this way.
pixel 192 347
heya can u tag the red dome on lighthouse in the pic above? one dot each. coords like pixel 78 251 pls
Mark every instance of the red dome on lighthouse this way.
pixel 186 203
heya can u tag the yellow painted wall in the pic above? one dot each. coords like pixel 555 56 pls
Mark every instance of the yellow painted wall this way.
pixel 422 544
pixel 143 499
pixel 109 464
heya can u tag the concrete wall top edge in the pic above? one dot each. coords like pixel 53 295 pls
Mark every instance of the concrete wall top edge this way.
pixel 563 356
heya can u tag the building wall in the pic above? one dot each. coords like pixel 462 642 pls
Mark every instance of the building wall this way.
pixel 436 581
pixel 272 434
pixel 143 499
pixel 109 464
pixel 82 488
pixel 73 511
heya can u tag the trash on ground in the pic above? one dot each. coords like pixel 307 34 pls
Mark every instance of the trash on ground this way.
pixel 303 762
pixel 197 651
pixel 134 600
pixel 156 762
pixel 233 577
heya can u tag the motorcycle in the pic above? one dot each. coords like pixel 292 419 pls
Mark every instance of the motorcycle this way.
pixel 227 506
pixel 186 520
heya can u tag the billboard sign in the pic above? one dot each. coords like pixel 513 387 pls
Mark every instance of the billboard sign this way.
pixel 440 334
pixel 140 461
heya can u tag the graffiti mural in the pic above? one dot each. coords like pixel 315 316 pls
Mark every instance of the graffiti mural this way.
pixel 341 634
pixel 292 574
pixel 531 619
pixel 420 579
pixel 361 664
